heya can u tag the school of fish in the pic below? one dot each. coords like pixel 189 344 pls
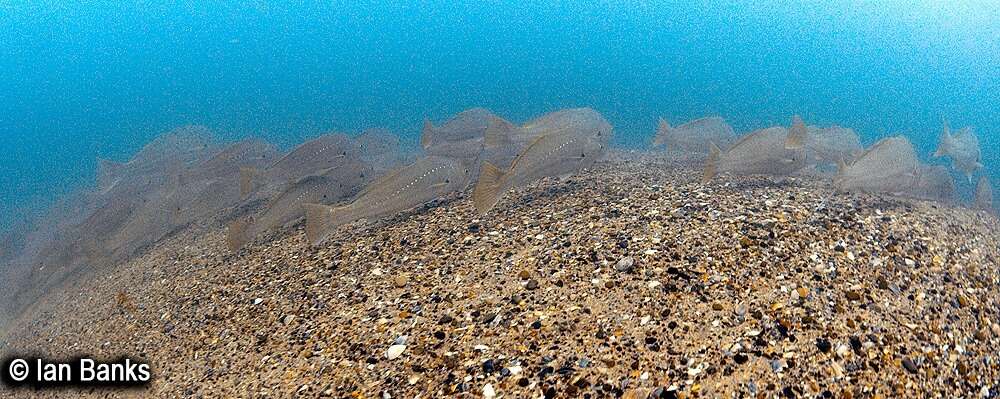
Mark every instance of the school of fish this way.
pixel 187 176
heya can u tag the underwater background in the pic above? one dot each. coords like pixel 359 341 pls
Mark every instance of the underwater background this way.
pixel 87 79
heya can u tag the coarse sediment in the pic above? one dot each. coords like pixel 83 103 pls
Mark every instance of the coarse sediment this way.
pixel 631 279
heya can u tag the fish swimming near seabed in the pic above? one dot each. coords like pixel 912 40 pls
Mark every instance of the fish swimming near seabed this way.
pixel 460 137
pixel 226 163
pixel 983 197
pixel 326 187
pixel 427 179
pixel 105 229
pixel 830 145
pixel 147 224
pixel 962 148
pixel 889 166
pixel 934 183
pixel 380 149
pixel 694 136
pixel 170 152
pixel 559 154
pixel 504 141
pixel 321 153
pixel 775 151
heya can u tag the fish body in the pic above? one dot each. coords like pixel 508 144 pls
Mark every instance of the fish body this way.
pixel 694 136
pixel 227 163
pixel 934 183
pixel 830 145
pixel 460 137
pixel 321 153
pixel 560 153
pixel 186 143
pixel 889 166
pixel 962 148
pixel 148 223
pixel 983 197
pixel 168 154
pixel 327 187
pixel 504 141
pixel 380 149
pixel 581 121
pixel 761 152
pixel 202 199
pixel 425 180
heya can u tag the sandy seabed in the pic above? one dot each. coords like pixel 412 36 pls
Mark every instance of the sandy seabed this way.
pixel 631 280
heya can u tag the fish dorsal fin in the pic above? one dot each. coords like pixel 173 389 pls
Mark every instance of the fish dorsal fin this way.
pixel 426 136
pixel 796 134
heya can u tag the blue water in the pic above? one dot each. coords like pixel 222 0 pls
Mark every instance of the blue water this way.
pixel 82 79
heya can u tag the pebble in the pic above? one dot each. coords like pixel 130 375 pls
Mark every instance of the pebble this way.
pixel 625 264
pixel 910 366
pixel 963 301
pixel 400 280
pixel 823 344
pixel 843 350
pixel 258 301
pixel 532 284
pixel 853 295
pixel 394 351
pixel 488 391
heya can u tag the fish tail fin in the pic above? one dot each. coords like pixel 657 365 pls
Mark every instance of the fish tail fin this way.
pixel 497 135
pixel 489 188
pixel 945 143
pixel 321 219
pixel 712 163
pixel 247 177
pixel 796 134
pixel 427 135
pixel 236 235
pixel 663 130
